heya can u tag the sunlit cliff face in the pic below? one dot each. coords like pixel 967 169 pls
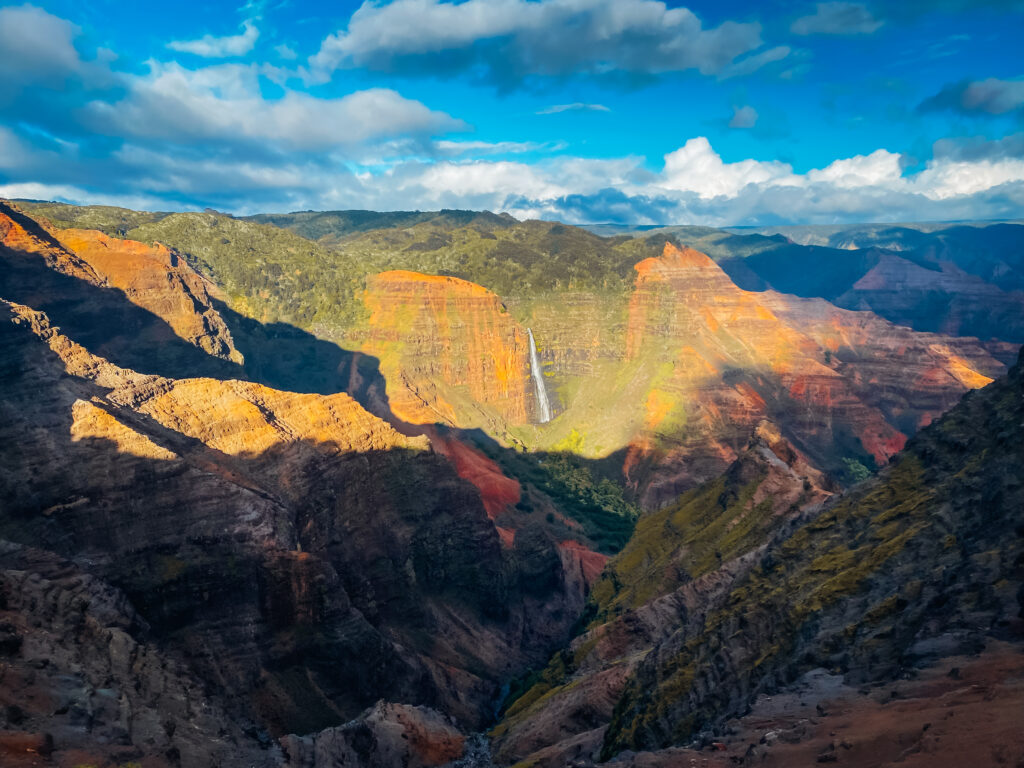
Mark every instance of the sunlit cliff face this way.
pixel 677 377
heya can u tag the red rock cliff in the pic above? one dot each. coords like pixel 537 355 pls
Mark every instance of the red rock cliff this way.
pixel 839 382
pixel 445 345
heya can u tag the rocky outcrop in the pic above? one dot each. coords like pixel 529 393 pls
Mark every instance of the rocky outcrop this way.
pixel 907 568
pixel 141 307
pixel 962 710
pixel 159 280
pixel 82 682
pixel 713 360
pixel 679 564
pixel 447 347
pixel 303 555
pixel 386 735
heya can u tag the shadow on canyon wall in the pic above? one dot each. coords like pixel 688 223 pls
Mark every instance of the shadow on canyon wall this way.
pixel 303 582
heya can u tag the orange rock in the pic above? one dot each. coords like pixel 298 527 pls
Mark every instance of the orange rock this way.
pixel 159 280
pixel 445 345
pixel 589 562
pixel 723 358
pixel 497 491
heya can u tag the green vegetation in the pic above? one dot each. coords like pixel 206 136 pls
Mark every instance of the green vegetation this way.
pixel 704 528
pixel 113 221
pixel 582 489
pixel 855 471
pixel 527 692
pixel 923 544
pixel 269 274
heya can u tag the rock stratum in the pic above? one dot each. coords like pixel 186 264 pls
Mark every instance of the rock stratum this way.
pixel 769 620
pixel 291 552
pixel 442 341
pixel 228 538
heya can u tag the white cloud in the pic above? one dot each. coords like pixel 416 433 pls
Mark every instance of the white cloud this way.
pixel 946 180
pixel 837 18
pixel 68 193
pixel 505 41
pixel 212 47
pixel 754 62
pixel 880 168
pixel 478 148
pixel 224 103
pixel 695 185
pixel 696 167
pixel 37 49
pixel 285 52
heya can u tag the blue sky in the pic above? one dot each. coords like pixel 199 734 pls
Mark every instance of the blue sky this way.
pixel 633 111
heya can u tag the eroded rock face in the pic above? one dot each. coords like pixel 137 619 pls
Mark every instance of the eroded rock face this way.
pixel 159 280
pixel 84 684
pixel 386 735
pixel 445 344
pixel 909 567
pixel 713 360
pixel 960 711
pixel 141 307
pixel 298 550
pixel 679 564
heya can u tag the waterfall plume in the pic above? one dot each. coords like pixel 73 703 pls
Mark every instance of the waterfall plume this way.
pixel 538 381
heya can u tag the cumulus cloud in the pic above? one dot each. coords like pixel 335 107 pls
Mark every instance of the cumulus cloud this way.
pixel 991 96
pixel 224 103
pixel 696 167
pixel 212 47
pixel 577 106
pixel 837 18
pixel 506 41
pixel 743 117
pixel 694 185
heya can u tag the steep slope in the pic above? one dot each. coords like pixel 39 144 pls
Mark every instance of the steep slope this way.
pixel 763 586
pixel 705 361
pixel 680 561
pixel 437 335
pixel 84 683
pixel 921 562
pixel 139 305
pixel 301 555
pixel 157 279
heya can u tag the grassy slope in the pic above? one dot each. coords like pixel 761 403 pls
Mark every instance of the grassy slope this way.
pixel 106 218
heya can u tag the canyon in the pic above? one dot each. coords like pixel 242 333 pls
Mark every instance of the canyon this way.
pixel 613 513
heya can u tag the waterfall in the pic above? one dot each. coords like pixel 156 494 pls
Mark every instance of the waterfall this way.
pixel 538 381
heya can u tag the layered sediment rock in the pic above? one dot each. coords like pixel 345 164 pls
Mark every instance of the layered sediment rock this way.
pixel 139 306
pixel 159 280
pixel 680 562
pixel 83 683
pixel 712 360
pixel 447 347
pixel 910 567
pixel 297 550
